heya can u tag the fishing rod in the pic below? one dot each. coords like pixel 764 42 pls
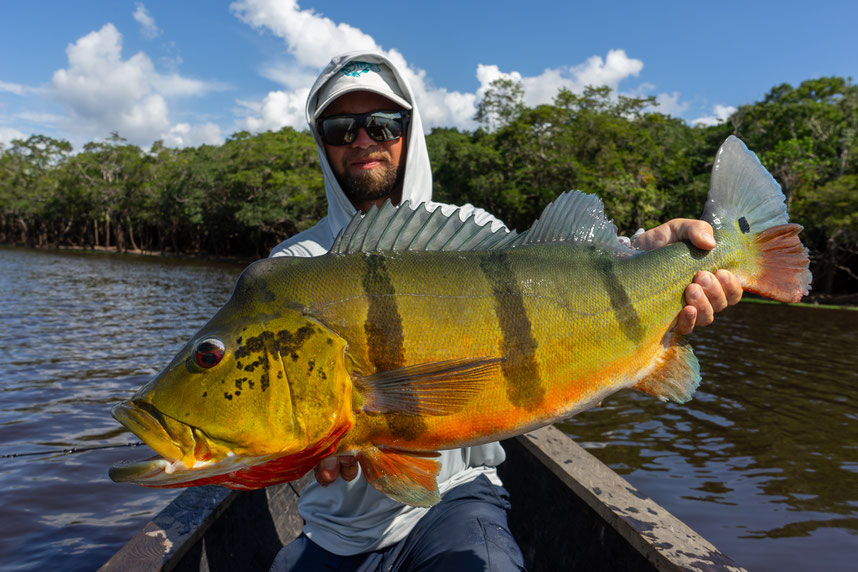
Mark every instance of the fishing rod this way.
pixel 68 451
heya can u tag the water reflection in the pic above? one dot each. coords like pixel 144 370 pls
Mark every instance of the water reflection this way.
pixel 80 332
pixel 762 462
pixel 766 451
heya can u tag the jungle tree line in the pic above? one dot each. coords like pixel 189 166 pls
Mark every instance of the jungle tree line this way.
pixel 244 196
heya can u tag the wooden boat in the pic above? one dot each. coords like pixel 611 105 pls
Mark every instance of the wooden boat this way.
pixel 569 512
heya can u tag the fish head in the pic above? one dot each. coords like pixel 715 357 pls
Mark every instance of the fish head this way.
pixel 253 398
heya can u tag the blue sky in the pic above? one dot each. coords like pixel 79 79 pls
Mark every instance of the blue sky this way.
pixel 190 72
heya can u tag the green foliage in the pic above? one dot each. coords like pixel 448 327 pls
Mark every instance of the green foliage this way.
pixel 246 195
pixel 648 167
pixel 240 198
pixel 502 102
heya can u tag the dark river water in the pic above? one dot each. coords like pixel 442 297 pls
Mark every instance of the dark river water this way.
pixel 763 462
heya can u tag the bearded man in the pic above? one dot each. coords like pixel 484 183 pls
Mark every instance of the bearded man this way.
pixel 368 130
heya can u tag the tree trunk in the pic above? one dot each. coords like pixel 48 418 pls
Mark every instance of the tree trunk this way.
pixel 830 258
pixel 24 229
pixel 131 233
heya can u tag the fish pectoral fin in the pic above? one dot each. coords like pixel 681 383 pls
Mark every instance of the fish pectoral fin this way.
pixel 434 388
pixel 675 372
pixel 405 477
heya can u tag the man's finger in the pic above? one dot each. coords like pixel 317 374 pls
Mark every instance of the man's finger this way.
pixel 695 296
pixel 327 471
pixel 348 467
pixel 699 232
pixel 685 321
pixel 712 289
pixel 731 285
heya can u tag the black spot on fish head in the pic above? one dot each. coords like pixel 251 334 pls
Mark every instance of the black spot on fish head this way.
pixel 744 226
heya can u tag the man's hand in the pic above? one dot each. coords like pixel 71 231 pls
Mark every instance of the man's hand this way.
pixel 330 468
pixel 708 293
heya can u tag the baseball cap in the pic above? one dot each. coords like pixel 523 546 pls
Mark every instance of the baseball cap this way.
pixel 361 76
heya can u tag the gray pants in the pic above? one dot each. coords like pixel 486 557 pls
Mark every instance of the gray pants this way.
pixel 466 531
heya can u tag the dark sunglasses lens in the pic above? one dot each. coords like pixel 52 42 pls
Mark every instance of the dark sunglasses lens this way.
pixel 384 126
pixel 339 130
pixel 381 126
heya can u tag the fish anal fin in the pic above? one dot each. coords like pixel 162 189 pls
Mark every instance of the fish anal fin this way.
pixel 675 372
pixel 405 477
pixel 433 388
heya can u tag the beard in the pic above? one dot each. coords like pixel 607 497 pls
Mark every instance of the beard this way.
pixel 368 185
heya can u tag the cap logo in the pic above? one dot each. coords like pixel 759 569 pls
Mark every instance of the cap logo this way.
pixel 356 69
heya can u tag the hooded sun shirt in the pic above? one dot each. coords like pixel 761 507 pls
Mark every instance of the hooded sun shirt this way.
pixel 353 517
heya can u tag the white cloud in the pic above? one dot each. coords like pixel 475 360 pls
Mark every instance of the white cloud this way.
pixel 290 75
pixel 278 109
pixel 40 118
pixel 720 114
pixel 312 39
pixel 105 93
pixel 9 133
pixel 147 23
pixel 669 104
pixel 16 88
pixel 186 135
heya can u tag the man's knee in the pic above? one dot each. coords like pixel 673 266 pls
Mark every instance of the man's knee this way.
pixel 301 554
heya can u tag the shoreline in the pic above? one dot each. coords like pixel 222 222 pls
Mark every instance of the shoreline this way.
pixel 198 257
pixel 814 300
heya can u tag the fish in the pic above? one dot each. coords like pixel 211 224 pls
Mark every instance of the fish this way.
pixel 420 331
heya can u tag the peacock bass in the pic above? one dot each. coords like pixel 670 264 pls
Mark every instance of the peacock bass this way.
pixel 419 332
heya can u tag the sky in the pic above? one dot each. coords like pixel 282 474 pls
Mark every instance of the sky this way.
pixel 193 72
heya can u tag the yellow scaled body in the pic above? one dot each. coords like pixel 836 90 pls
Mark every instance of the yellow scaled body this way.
pixel 399 343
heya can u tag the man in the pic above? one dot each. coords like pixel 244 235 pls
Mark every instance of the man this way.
pixel 368 130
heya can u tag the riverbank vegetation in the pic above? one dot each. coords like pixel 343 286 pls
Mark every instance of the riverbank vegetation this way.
pixel 243 197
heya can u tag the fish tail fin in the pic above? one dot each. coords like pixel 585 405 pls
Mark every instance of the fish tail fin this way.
pixel 745 197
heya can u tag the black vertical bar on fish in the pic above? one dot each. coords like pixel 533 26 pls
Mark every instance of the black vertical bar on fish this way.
pixel 384 337
pixel 521 372
pixel 625 312
pixel 383 325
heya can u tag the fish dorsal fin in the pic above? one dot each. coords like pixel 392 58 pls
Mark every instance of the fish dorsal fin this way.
pixel 578 218
pixel 416 228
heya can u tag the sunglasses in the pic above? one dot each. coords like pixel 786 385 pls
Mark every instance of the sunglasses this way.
pixel 381 126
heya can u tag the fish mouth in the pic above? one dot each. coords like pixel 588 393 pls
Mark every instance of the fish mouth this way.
pixel 184 452
pixel 150 426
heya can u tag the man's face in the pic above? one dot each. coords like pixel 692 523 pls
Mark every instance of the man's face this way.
pixel 368 171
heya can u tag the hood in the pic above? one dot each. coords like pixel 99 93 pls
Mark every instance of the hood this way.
pixel 417 181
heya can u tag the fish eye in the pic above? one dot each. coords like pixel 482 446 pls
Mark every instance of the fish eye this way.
pixel 209 352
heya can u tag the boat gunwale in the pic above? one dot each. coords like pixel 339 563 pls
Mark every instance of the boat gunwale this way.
pixel 604 519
